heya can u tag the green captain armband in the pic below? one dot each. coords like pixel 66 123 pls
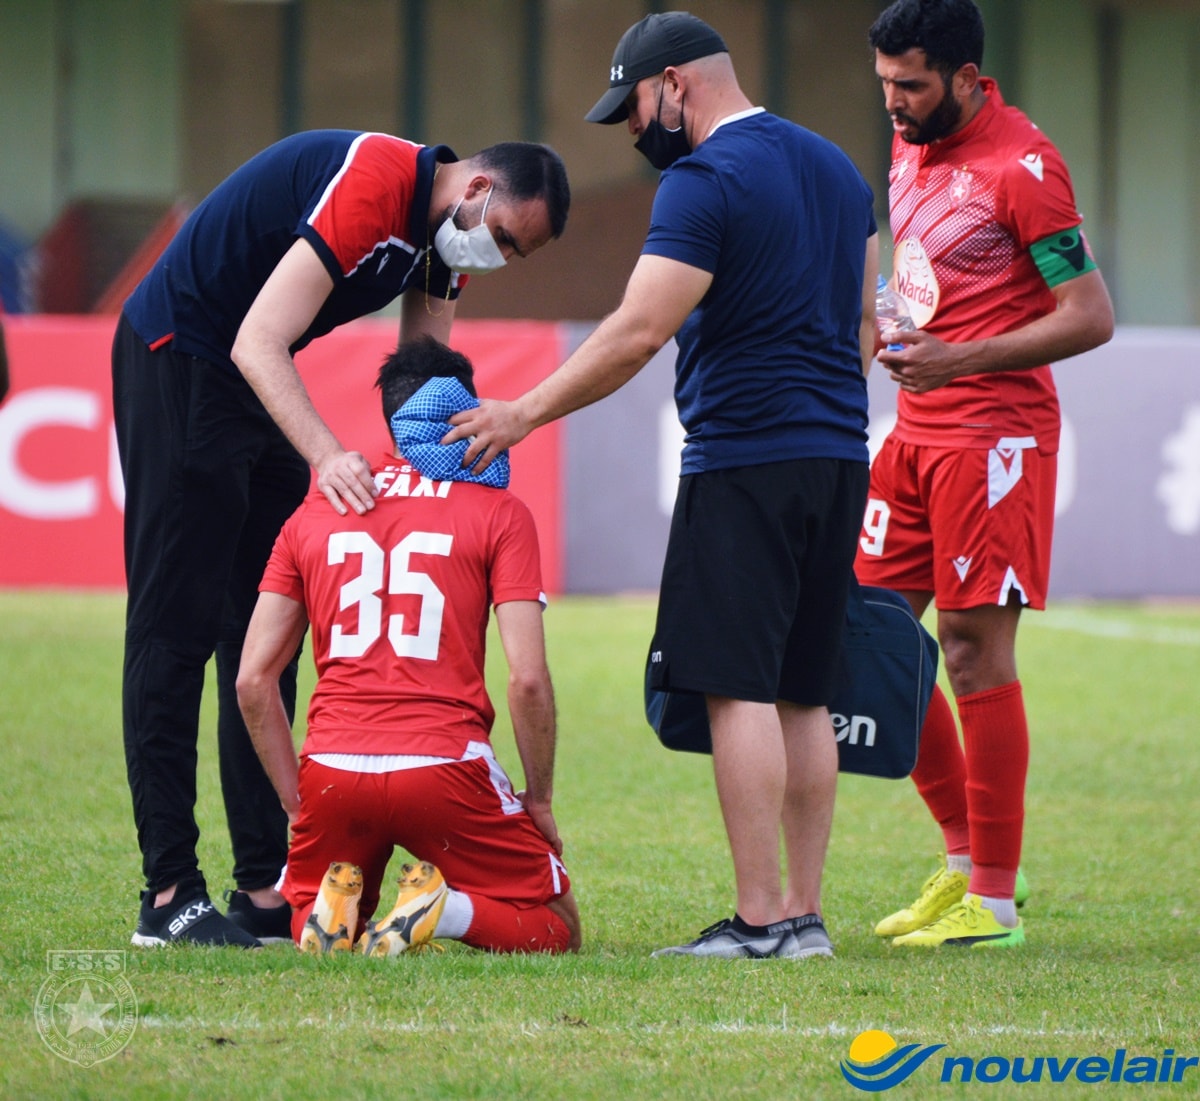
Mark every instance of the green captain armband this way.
pixel 1062 256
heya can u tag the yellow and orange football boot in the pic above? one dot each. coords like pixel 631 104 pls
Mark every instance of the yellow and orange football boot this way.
pixel 414 918
pixel 334 918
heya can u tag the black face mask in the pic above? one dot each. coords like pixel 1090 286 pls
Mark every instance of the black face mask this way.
pixel 660 146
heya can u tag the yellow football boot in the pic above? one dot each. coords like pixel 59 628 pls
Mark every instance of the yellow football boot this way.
pixel 970 924
pixel 414 918
pixel 939 892
pixel 334 918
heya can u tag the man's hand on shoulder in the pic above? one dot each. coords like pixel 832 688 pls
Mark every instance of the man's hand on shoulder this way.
pixel 346 477
pixel 492 427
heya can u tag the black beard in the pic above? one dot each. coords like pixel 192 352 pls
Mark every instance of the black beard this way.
pixel 448 214
pixel 944 119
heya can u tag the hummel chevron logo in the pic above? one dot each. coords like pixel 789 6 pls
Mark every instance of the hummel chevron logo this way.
pixel 187 917
pixel 961 565
pixel 1033 162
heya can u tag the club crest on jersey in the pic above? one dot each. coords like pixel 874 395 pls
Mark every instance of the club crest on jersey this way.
pixel 960 187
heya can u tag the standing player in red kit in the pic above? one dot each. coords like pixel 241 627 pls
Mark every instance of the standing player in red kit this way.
pixel 398 750
pixel 1000 282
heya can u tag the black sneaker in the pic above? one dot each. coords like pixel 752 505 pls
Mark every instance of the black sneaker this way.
pixel 724 941
pixel 191 918
pixel 270 924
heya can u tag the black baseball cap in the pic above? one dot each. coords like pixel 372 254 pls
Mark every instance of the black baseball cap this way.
pixel 646 49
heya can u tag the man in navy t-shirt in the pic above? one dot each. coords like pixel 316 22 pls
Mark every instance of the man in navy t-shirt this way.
pixel 761 261
pixel 217 434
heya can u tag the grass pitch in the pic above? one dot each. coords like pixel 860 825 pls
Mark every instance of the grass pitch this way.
pixel 1113 928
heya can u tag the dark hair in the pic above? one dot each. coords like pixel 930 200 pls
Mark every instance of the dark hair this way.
pixel 412 365
pixel 528 170
pixel 949 31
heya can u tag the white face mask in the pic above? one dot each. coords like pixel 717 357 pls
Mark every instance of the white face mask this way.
pixel 469 251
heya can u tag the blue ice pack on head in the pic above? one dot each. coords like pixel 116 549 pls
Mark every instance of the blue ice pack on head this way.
pixel 424 419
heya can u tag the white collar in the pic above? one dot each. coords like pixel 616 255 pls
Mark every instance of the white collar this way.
pixel 735 116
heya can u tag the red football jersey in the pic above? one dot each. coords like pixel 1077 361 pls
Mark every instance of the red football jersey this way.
pixel 964 212
pixel 398 600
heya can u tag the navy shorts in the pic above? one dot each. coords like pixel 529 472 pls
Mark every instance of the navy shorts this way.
pixel 753 596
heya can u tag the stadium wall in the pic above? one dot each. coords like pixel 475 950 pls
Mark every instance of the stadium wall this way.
pixel 601 482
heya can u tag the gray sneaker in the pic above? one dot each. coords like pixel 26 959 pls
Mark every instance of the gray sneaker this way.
pixel 723 941
pixel 807 938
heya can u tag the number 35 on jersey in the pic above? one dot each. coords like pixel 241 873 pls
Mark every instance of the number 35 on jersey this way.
pixel 391 572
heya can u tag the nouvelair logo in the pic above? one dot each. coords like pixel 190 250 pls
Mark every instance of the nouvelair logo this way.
pixel 187 917
pixel 876 1063
pixel 962 564
pixel 1033 162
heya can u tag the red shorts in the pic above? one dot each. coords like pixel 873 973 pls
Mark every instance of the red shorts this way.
pixel 461 816
pixel 973 526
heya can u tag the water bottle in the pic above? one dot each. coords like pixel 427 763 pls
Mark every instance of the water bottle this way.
pixel 891 313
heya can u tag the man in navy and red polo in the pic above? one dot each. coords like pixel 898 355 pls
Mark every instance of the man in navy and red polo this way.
pixel 217 434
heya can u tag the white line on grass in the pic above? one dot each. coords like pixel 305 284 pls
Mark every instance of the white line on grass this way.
pixel 1086 623
pixel 341 1024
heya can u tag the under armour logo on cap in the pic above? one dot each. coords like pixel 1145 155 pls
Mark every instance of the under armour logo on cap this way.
pixel 646 49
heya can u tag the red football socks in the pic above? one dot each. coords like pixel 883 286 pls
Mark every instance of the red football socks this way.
pixel 941 774
pixel 996 741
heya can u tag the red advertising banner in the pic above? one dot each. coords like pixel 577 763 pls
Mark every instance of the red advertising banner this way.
pixel 61 494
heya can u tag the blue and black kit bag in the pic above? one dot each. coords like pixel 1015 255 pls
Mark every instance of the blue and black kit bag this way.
pixel 889 671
